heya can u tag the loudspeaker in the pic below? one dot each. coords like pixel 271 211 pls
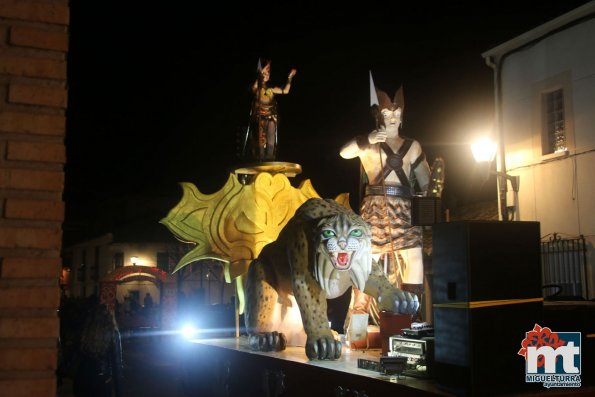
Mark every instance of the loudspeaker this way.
pixel 425 211
pixel 486 295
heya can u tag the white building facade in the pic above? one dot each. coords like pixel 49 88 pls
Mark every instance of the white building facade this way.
pixel 93 260
pixel 545 117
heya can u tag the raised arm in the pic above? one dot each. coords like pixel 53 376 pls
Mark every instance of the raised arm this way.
pixel 285 90
pixel 350 149
pixel 354 147
pixel 255 86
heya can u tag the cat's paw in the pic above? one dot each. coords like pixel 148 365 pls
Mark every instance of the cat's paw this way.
pixel 323 348
pixel 399 301
pixel 267 341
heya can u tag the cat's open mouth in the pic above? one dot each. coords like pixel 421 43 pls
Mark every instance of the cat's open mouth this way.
pixel 341 259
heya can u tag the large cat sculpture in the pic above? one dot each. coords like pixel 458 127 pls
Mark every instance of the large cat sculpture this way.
pixel 323 250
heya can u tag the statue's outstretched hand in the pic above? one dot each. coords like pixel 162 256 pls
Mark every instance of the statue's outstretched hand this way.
pixel 377 136
pixel 292 73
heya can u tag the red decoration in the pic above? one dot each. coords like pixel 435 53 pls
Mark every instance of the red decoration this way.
pixel 540 337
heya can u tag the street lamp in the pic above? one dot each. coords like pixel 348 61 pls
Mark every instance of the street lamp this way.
pixel 484 150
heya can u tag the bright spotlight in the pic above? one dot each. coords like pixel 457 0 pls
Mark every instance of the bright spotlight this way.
pixel 189 331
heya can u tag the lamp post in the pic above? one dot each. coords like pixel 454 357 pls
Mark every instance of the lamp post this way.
pixel 484 150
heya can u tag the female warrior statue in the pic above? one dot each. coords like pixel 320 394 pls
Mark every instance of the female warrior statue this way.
pixel 264 118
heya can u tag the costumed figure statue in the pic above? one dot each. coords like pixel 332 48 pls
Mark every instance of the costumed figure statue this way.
pixel 264 116
pixel 393 165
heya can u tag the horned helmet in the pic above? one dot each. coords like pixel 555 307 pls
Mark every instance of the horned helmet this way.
pixel 380 100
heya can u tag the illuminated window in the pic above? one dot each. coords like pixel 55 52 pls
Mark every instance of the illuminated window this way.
pixel 552 118
pixel 554 134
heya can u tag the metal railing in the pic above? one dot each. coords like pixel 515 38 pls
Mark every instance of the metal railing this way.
pixel 564 267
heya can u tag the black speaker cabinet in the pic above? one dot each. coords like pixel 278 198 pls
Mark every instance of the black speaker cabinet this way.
pixel 426 211
pixel 486 295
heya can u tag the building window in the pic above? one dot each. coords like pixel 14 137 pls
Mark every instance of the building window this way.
pixel 163 261
pixel 95 267
pixel 118 259
pixel 67 272
pixel 554 134
pixel 552 123
pixel 67 260
pixel 81 274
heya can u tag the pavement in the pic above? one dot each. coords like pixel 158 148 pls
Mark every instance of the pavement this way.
pixel 151 367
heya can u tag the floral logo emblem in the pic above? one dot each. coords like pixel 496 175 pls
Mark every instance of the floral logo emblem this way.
pixel 537 338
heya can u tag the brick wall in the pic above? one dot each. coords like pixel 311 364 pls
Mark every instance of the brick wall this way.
pixel 33 97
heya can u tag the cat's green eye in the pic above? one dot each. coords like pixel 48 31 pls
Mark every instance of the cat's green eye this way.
pixel 356 233
pixel 327 233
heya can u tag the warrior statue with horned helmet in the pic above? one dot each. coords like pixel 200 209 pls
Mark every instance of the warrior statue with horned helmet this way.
pixel 393 165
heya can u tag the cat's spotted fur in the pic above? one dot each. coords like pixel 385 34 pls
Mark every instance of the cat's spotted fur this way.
pixel 319 254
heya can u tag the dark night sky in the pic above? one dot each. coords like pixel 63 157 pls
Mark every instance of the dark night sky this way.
pixel 158 92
